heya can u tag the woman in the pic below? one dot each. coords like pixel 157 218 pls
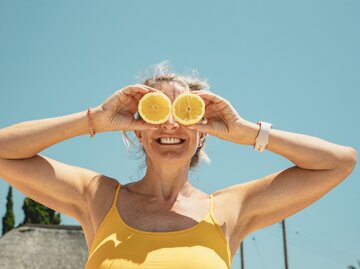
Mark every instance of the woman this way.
pixel 161 220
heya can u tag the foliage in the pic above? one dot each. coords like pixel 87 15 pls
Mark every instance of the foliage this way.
pixel 38 213
pixel 8 221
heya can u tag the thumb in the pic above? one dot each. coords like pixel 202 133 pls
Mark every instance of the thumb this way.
pixel 202 128
pixel 141 125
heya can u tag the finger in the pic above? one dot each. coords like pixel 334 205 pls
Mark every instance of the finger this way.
pixel 132 107
pixel 211 111
pixel 217 101
pixel 138 96
pixel 200 127
pixel 149 88
pixel 138 88
pixel 141 125
pixel 204 99
pixel 211 97
pixel 131 97
pixel 130 103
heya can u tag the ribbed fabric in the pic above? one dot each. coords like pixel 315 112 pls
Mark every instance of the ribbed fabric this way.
pixel 116 245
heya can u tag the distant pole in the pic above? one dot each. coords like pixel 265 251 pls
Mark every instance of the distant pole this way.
pixel 242 255
pixel 285 249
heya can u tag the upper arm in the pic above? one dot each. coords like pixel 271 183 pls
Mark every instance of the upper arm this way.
pixel 259 203
pixel 279 195
pixel 57 185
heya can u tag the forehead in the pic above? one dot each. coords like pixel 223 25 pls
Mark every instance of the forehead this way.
pixel 171 89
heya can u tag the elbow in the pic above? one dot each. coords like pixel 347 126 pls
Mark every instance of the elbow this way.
pixel 353 156
pixel 349 160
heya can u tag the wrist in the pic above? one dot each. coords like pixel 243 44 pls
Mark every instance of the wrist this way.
pixel 247 132
pixel 96 119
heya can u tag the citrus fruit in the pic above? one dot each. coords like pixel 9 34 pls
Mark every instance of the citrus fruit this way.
pixel 188 108
pixel 154 107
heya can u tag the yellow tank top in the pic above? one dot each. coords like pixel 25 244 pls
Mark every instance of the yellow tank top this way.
pixel 116 245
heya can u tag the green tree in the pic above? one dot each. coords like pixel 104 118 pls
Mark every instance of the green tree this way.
pixel 38 213
pixel 8 221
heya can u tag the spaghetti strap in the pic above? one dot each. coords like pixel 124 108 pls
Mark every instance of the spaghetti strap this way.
pixel 211 213
pixel 116 195
pixel 211 204
pixel 114 235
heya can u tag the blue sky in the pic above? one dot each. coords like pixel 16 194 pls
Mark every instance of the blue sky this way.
pixel 295 64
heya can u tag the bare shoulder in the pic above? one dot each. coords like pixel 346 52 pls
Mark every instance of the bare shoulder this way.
pixel 229 212
pixel 98 196
pixel 99 186
pixel 100 192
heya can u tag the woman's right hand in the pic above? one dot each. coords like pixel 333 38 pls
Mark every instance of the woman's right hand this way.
pixel 117 111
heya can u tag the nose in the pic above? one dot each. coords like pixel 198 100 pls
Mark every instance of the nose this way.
pixel 170 124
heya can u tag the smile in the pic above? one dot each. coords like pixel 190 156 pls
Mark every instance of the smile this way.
pixel 169 141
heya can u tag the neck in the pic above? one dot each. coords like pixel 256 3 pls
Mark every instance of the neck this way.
pixel 164 182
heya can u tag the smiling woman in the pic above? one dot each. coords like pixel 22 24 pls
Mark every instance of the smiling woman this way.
pixel 156 77
pixel 162 220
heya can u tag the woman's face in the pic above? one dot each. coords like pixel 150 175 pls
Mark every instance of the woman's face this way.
pixel 181 153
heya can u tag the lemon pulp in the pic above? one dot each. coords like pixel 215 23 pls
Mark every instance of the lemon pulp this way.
pixel 188 108
pixel 154 107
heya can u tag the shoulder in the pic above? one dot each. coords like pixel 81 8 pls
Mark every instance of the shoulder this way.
pixel 229 206
pixel 100 189
pixel 100 195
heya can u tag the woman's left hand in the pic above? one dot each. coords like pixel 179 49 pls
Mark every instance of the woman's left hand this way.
pixel 221 119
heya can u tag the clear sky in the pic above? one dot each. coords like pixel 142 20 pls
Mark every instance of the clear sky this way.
pixel 295 64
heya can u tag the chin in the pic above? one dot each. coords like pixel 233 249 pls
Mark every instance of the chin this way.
pixel 170 157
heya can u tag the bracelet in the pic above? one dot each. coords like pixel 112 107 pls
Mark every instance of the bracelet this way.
pixel 263 136
pixel 91 129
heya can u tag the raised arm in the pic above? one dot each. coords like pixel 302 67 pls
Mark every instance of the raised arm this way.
pixel 57 185
pixel 319 166
pixel 26 139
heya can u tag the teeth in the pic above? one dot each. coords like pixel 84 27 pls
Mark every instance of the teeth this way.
pixel 170 141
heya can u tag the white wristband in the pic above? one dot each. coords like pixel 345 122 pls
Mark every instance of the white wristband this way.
pixel 262 138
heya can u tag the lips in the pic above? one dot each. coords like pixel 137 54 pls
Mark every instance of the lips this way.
pixel 170 136
pixel 158 140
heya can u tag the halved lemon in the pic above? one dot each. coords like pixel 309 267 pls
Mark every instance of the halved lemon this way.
pixel 188 108
pixel 154 107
